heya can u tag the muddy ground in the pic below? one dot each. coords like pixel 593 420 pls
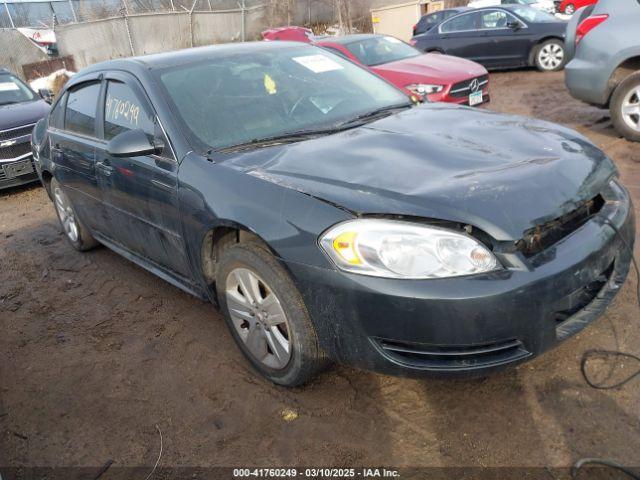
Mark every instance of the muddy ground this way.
pixel 95 352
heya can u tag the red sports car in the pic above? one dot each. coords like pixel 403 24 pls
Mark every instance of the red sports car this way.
pixel 570 6
pixel 439 78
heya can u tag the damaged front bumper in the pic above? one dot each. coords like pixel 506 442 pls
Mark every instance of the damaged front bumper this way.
pixel 476 324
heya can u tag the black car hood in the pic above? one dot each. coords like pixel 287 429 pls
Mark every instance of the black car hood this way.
pixel 19 114
pixel 504 174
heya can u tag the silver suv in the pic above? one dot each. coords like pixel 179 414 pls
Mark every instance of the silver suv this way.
pixel 605 70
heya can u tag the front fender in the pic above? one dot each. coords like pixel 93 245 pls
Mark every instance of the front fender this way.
pixel 288 221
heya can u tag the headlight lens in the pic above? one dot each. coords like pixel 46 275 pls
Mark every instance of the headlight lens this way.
pixel 424 89
pixel 396 249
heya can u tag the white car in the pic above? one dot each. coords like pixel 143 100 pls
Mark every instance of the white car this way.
pixel 544 5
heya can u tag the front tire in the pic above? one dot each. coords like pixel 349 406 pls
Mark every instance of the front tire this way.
pixel 550 56
pixel 625 107
pixel 74 230
pixel 267 316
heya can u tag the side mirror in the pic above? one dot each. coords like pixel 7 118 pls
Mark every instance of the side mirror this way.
pixel 46 95
pixel 132 143
pixel 514 25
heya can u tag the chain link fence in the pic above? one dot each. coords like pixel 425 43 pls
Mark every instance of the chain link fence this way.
pixel 91 31
pixel 62 12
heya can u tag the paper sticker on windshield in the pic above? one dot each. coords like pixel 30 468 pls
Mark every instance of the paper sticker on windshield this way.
pixel 392 40
pixel 318 63
pixel 8 87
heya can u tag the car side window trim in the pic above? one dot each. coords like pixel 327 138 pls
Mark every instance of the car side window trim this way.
pixel 138 90
pixel 509 14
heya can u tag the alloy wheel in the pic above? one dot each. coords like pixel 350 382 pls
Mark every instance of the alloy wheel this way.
pixel 631 108
pixel 551 56
pixel 65 212
pixel 258 318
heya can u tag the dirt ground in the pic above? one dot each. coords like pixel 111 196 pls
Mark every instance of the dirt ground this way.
pixel 95 352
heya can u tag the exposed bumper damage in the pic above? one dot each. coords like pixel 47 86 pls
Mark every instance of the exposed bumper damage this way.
pixel 473 325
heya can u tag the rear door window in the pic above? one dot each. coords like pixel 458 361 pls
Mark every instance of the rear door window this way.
pixel 80 113
pixel 461 23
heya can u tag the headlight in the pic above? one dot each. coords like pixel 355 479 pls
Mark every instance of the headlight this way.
pixel 396 249
pixel 424 89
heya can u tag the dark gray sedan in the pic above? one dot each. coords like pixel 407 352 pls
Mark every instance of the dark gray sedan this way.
pixel 331 218
pixel 507 36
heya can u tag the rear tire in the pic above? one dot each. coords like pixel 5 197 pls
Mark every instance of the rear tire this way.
pixel 74 230
pixel 267 316
pixel 550 56
pixel 625 107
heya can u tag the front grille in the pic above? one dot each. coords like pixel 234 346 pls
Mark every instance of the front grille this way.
pixel 461 357
pixel 462 89
pixel 16 132
pixel 543 236
pixel 15 151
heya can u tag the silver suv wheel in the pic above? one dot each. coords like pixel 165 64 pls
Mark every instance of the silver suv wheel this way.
pixel 631 109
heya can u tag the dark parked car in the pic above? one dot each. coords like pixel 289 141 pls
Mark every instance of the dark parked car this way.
pixel 500 37
pixel 20 109
pixel 330 217
pixel 427 22
pixel 605 70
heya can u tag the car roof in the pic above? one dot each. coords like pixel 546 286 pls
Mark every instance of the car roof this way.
pixel 452 9
pixel 187 56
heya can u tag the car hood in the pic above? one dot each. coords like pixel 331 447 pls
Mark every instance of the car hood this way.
pixel 434 67
pixel 503 174
pixel 19 114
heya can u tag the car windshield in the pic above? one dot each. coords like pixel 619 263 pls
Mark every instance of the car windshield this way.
pixel 380 50
pixel 534 15
pixel 13 90
pixel 233 99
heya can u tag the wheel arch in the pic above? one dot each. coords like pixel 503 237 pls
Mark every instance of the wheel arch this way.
pixel 217 237
pixel 622 71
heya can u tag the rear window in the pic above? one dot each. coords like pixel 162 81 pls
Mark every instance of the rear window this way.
pixel 534 15
pixel 80 115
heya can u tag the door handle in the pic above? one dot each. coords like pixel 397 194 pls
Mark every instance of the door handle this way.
pixel 105 168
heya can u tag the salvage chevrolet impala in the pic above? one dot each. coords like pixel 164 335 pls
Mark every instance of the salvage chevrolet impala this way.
pixel 332 219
